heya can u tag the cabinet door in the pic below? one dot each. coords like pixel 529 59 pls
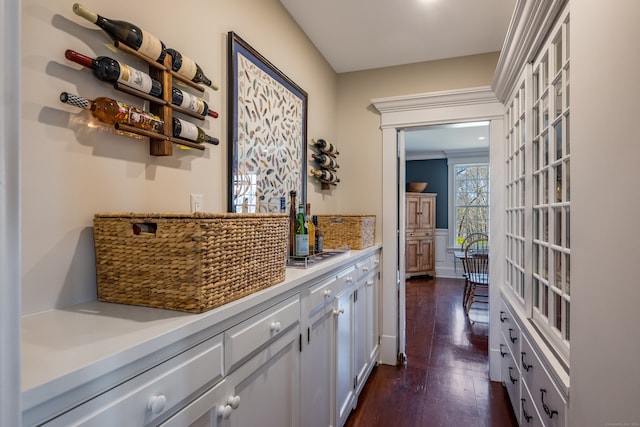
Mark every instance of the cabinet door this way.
pixel 344 356
pixel 266 389
pixel 361 355
pixel 427 212
pixel 373 328
pixel 207 410
pixel 413 207
pixel 427 254
pixel 317 371
pixel 412 255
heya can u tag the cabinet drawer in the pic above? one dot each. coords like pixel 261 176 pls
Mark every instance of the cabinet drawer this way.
pixel 247 337
pixel 549 401
pixel 528 413
pixel 510 330
pixel 364 268
pixel 322 294
pixel 153 394
pixel 346 279
pixel 511 379
pixel 419 234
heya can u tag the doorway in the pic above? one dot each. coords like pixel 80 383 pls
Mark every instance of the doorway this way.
pixel 397 115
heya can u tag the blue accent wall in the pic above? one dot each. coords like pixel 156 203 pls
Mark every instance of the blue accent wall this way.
pixel 436 173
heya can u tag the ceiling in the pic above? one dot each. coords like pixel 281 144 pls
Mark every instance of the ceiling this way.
pixel 355 35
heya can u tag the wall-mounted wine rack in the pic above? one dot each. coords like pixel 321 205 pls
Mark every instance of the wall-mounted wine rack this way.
pixel 160 145
pixel 327 173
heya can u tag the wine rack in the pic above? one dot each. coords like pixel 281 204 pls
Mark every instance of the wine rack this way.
pixel 330 164
pixel 160 145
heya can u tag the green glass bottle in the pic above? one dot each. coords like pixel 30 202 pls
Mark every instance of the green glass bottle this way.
pixel 301 243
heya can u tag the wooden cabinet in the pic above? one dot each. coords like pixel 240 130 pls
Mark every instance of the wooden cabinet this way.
pixel 420 234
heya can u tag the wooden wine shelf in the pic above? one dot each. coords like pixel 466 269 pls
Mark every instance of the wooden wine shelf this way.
pixel 160 144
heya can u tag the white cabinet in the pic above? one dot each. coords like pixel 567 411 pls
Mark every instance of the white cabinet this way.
pixel 535 395
pixel 152 395
pixel 296 357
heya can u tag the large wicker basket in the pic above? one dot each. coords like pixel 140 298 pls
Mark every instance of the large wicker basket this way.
pixel 188 262
pixel 355 231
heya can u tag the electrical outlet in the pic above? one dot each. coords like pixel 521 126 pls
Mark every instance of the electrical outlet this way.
pixel 196 203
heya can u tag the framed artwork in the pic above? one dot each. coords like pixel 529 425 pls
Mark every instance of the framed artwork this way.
pixel 267 133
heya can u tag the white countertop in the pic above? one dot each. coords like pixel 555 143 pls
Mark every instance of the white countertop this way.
pixel 65 348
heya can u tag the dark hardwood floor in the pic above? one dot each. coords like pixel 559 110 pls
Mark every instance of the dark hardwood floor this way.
pixel 445 381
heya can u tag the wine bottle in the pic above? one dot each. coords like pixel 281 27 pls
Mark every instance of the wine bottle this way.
pixel 325 161
pixel 311 230
pixel 111 70
pixel 325 176
pixel 292 221
pixel 125 32
pixel 191 103
pixel 325 147
pixel 319 235
pixel 110 111
pixel 188 69
pixel 187 130
pixel 301 243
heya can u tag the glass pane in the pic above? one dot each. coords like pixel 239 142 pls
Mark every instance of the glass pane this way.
pixel 567 181
pixel 559 140
pixel 567 274
pixel 567 149
pixel 536 224
pixel 545 300
pixel 545 187
pixel 557 268
pixel 557 90
pixel 523 137
pixel 557 239
pixel 558 309
pixel 536 155
pixel 545 111
pixel 536 293
pixel 545 225
pixel 536 123
pixel 567 334
pixel 567 231
pixel 558 49
pixel 558 179
pixel 536 85
pixel 567 87
pixel 536 258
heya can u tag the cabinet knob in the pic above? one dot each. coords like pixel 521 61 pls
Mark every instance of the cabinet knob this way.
pixel 275 327
pixel 157 403
pixel 233 401
pixel 369 282
pixel 365 269
pixel 338 311
pixel 224 411
pixel 327 293
pixel 349 279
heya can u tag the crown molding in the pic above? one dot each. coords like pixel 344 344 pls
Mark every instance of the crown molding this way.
pixel 458 97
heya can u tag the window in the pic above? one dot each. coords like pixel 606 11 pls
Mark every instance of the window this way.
pixel 471 200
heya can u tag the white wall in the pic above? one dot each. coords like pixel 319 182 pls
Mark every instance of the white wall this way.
pixel 605 94
pixel 70 172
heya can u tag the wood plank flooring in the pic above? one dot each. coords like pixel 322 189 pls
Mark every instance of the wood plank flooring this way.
pixel 445 381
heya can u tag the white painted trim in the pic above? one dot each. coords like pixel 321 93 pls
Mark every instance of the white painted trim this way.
pixel 10 216
pixel 398 113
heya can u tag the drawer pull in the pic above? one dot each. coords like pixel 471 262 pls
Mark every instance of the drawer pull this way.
pixel 234 402
pixel 157 403
pixel 503 318
pixel 502 353
pixel 511 337
pixel 526 416
pixel 365 269
pixel 513 380
pixel 524 364
pixel 369 282
pixel 327 293
pixel 338 311
pixel 549 412
pixel 275 327
pixel 224 411
pixel 349 279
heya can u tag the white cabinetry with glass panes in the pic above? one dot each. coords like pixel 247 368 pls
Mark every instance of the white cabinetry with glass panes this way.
pixel 536 292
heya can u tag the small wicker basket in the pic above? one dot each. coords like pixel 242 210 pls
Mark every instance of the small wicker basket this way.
pixel 355 231
pixel 187 262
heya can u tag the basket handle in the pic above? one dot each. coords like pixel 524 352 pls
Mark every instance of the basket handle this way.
pixel 335 220
pixel 144 228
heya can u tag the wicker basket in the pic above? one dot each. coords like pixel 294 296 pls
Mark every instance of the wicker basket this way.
pixel 355 231
pixel 188 262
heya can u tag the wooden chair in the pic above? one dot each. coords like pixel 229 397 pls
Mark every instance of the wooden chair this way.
pixel 467 240
pixel 476 262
